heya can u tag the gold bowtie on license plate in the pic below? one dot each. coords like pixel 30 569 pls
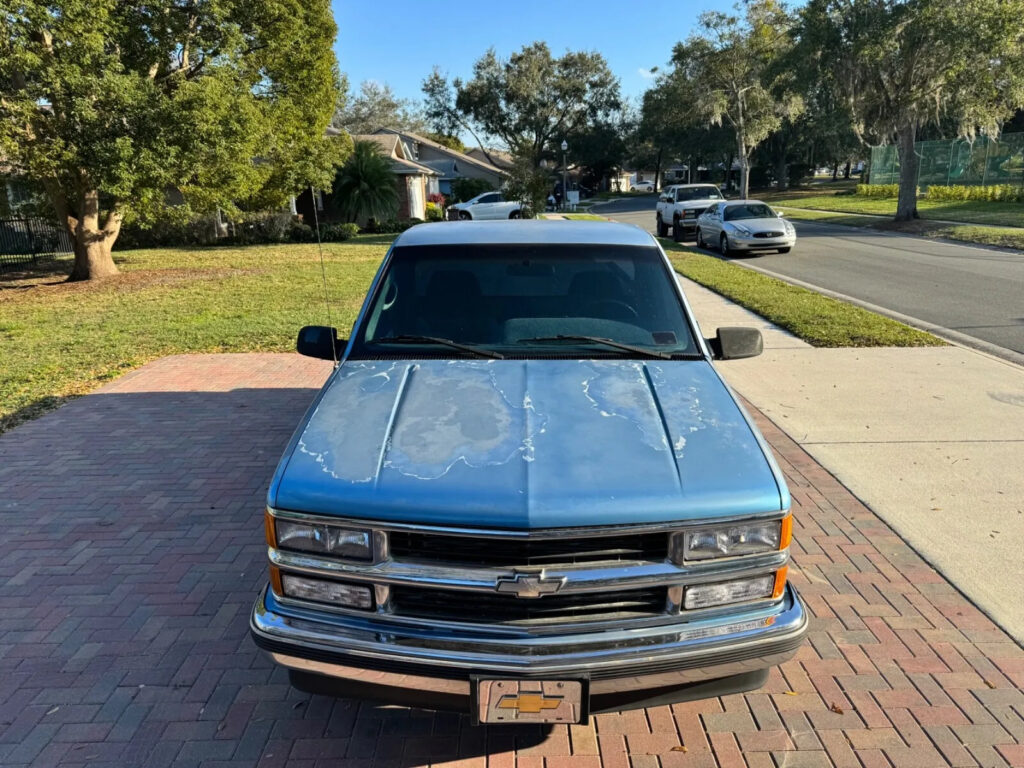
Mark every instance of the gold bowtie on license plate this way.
pixel 530 701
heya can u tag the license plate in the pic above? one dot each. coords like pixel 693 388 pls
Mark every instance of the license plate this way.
pixel 530 701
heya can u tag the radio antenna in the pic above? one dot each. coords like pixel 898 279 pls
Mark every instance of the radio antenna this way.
pixel 323 274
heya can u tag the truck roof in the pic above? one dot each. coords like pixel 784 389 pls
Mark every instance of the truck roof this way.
pixel 530 231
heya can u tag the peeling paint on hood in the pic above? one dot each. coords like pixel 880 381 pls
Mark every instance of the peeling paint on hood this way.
pixel 527 444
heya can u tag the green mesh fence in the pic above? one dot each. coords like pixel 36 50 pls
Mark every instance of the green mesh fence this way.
pixel 956 161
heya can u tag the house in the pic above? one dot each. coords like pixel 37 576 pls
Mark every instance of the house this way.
pixel 449 164
pixel 416 182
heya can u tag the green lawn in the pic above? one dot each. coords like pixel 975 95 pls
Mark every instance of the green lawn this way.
pixel 818 320
pixel 61 339
pixel 967 211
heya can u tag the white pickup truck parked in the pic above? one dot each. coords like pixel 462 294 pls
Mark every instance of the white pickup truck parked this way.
pixel 679 206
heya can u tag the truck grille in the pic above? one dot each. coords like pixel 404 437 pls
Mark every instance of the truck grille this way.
pixel 483 608
pixel 508 553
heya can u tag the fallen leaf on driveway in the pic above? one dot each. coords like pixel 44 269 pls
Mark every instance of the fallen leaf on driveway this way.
pixel 791 693
pixel 836 708
pixel 680 748
pixel 990 684
pixel 56 708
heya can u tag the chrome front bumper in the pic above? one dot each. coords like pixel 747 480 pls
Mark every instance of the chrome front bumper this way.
pixel 759 243
pixel 385 654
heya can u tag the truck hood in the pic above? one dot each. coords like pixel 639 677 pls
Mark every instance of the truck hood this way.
pixel 527 444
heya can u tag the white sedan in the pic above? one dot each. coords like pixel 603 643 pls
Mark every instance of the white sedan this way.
pixel 642 186
pixel 489 205
pixel 744 225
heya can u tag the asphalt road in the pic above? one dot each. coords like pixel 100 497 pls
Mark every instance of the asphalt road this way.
pixel 975 294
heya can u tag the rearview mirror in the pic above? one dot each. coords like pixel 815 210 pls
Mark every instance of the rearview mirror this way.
pixel 319 341
pixel 736 343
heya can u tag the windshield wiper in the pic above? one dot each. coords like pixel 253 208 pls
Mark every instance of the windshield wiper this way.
pixel 407 338
pixel 601 340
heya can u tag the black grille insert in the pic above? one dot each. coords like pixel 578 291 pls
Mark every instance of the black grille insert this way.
pixel 485 552
pixel 484 608
pixel 767 234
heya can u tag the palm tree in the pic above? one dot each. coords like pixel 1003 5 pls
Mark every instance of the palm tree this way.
pixel 366 187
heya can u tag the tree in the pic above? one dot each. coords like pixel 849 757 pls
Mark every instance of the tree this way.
pixel 366 187
pixel 111 104
pixel 529 102
pixel 729 65
pixel 599 150
pixel 903 65
pixel 376 106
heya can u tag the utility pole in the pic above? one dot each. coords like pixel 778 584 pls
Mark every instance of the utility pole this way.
pixel 565 175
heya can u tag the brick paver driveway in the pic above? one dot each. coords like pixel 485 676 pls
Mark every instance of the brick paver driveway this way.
pixel 132 524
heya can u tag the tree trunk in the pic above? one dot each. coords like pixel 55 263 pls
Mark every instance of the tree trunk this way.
pixel 906 204
pixel 92 242
pixel 846 170
pixel 835 171
pixel 744 174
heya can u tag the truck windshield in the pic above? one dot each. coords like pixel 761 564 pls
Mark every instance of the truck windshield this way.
pixel 525 301
pixel 699 193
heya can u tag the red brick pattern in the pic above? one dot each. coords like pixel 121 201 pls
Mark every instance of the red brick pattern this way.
pixel 133 552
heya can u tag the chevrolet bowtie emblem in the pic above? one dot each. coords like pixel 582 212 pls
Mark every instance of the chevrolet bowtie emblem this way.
pixel 530 584
pixel 529 703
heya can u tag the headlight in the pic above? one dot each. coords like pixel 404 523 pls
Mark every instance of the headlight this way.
pixel 332 592
pixel 731 540
pixel 322 539
pixel 741 229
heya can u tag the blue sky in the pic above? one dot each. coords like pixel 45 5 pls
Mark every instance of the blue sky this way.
pixel 399 42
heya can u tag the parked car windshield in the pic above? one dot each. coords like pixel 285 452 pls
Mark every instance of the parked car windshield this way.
pixel 699 193
pixel 748 211
pixel 515 299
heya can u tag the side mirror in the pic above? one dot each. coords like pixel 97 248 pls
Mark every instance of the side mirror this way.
pixel 736 343
pixel 319 341
pixel 779 214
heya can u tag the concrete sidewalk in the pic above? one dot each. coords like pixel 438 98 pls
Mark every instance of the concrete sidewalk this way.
pixel 931 438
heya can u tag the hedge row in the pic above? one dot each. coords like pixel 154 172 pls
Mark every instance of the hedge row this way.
pixel 254 229
pixel 1008 193
pixel 878 190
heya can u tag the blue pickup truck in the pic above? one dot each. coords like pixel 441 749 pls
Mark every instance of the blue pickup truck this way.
pixel 525 492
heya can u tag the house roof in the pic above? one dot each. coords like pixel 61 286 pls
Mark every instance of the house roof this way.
pixel 454 153
pixel 500 157
pixel 391 148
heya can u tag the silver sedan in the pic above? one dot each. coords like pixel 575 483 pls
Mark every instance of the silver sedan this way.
pixel 744 225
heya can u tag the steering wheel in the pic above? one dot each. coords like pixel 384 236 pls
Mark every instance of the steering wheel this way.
pixel 625 308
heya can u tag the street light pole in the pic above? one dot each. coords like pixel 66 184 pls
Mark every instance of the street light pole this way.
pixel 565 174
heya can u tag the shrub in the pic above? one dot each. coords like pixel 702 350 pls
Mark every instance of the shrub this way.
pixel 259 228
pixel 878 190
pixel 1008 193
pixel 301 233
pixel 336 233
pixel 392 226
pixel 437 197
pixel 434 212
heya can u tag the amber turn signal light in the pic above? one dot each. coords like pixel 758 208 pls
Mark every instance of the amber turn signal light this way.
pixel 780 582
pixel 786 536
pixel 268 529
